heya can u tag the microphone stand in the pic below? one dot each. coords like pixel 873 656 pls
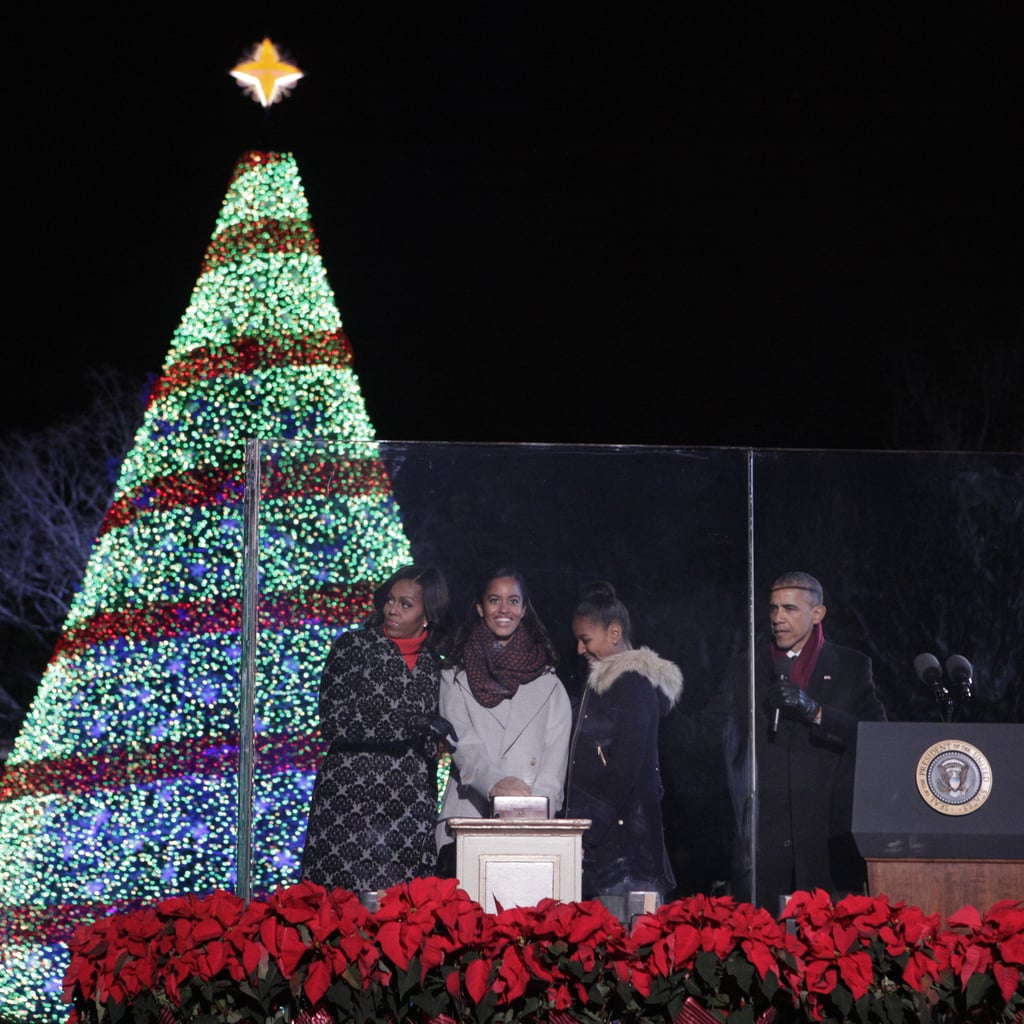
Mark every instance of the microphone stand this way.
pixel 950 708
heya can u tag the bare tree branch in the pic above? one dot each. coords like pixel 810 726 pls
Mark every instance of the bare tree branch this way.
pixel 962 398
pixel 55 486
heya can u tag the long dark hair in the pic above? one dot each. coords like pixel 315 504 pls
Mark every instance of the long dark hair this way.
pixel 530 621
pixel 436 607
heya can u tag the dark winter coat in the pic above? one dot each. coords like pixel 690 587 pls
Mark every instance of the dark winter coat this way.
pixel 614 775
pixel 805 776
pixel 374 803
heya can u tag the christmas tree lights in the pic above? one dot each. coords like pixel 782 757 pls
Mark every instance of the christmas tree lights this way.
pixel 122 787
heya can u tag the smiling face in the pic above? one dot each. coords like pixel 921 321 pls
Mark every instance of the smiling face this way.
pixel 793 614
pixel 404 615
pixel 594 641
pixel 502 607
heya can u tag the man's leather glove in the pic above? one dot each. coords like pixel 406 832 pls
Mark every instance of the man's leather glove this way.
pixel 792 702
pixel 432 727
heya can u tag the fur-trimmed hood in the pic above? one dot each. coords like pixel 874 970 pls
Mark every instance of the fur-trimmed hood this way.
pixel 664 675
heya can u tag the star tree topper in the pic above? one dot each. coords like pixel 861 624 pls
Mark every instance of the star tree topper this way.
pixel 266 77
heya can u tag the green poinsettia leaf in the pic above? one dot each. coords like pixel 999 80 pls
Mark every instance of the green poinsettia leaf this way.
pixel 116 1011
pixel 486 1010
pixel 692 986
pixel 976 989
pixel 430 1003
pixel 662 991
pixel 600 993
pixel 576 970
pixel 740 968
pixel 352 977
pixel 892 1009
pixel 708 966
pixel 675 1005
pixel 843 1000
pixel 409 979
pixel 744 1015
pixel 531 1004
pixel 343 997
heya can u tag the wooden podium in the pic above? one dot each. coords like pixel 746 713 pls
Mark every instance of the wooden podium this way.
pixel 517 862
pixel 944 886
pixel 937 813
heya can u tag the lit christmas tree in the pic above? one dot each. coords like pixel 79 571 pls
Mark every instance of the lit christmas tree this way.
pixel 122 787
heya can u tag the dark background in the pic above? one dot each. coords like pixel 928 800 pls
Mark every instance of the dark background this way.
pixel 626 225
pixel 629 224
pixel 914 551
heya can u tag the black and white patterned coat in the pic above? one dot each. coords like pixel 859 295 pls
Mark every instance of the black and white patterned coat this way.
pixel 374 804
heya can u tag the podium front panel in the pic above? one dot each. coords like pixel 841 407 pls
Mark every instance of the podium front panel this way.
pixel 518 862
pixel 939 791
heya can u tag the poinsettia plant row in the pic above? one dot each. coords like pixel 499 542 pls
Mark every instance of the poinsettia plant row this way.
pixel 431 954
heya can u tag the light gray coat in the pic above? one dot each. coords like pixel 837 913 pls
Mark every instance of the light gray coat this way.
pixel 526 736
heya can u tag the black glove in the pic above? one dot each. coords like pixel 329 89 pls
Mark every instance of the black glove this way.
pixel 792 702
pixel 432 727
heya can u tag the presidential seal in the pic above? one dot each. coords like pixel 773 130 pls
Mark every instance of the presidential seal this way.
pixel 954 777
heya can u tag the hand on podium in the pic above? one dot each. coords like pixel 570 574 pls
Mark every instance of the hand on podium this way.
pixel 510 786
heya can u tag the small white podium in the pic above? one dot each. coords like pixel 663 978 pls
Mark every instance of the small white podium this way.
pixel 517 862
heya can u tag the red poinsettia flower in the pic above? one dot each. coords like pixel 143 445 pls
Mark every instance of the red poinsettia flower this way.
pixel 82 969
pixel 974 945
pixel 409 914
pixel 477 979
pixel 330 961
pixel 852 960
pixel 561 997
pixel 814 908
pixel 285 944
pixel 319 979
pixel 513 976
pixel 669 943
pixel 254 957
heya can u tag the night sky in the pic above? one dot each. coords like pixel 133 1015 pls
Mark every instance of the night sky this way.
pixel 632 226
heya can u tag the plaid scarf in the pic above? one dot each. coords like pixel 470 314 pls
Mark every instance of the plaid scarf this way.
pixel 495 670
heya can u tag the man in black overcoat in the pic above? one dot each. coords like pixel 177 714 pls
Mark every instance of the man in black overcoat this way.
pixel 809 694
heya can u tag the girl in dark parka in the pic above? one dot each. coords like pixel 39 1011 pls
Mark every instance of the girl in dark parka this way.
pixel 614 775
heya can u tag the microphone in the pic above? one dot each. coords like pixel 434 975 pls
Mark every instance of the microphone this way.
pixel 777 677
pixel 929 671
pixel 959 671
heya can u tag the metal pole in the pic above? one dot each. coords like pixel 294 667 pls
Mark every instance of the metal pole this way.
pixel 246 703
pixel 751 699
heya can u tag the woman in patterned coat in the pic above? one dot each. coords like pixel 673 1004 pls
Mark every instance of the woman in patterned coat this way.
pixel 374 804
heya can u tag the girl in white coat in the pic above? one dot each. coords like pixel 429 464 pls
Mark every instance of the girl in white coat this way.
pixel 510 711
